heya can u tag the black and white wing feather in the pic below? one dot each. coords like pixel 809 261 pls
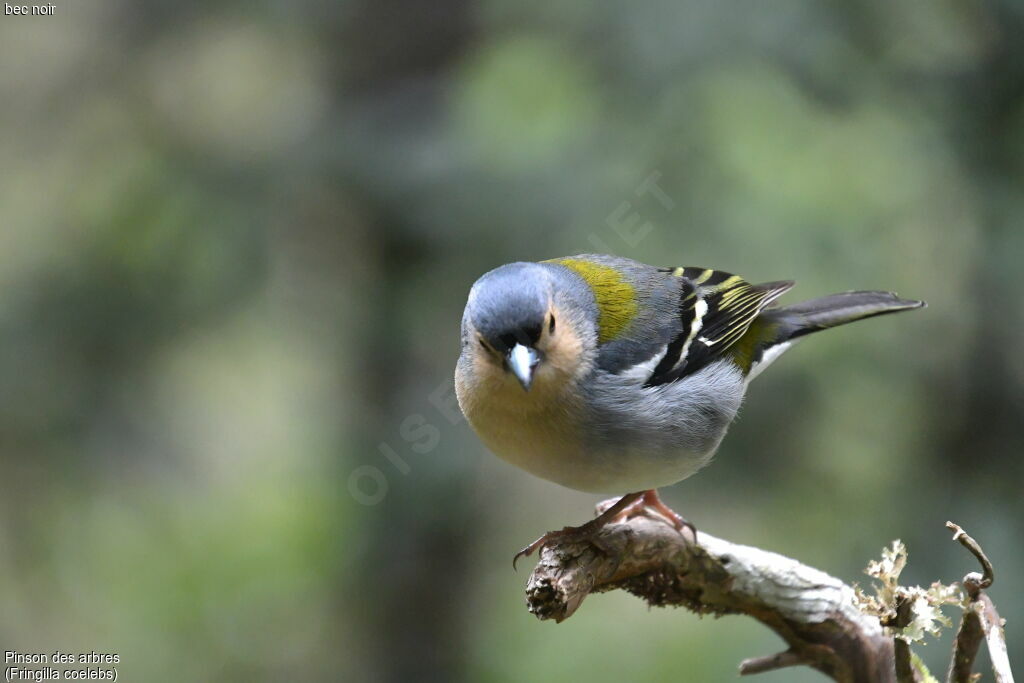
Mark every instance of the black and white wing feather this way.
pixel 715 309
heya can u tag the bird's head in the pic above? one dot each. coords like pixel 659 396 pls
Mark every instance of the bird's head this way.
pixel 521 322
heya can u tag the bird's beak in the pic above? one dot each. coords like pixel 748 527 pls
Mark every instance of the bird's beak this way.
pixel 522 360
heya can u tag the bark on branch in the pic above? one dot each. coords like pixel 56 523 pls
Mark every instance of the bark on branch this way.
pixel 816 614
pixel 813 612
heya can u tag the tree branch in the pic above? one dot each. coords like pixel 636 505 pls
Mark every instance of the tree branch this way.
pixel 980 621
pixel 972 582
pixel 813 612
pixel 905 672
pixel 781 660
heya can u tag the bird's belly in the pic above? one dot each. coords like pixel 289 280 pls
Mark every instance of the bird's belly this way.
pixel 617 437
pixel 570 461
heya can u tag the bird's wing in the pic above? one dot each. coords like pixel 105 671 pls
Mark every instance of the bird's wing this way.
pixel 661 324
pixel 636 307
pixel 715 309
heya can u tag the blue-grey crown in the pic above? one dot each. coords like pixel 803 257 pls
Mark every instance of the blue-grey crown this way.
pixel 509 305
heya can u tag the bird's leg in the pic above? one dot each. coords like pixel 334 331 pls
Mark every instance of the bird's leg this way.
pixel 651 500
pixel 634 509
pixel 584 532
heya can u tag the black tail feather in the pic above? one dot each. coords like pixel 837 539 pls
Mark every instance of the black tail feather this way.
pixel 837 309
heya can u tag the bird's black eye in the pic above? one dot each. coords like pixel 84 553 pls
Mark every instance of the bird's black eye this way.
pixel 551 325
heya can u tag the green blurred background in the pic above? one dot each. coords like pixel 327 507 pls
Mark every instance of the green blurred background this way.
pixel 237 240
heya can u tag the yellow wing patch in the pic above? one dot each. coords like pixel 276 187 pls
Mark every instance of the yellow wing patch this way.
pixel 616 298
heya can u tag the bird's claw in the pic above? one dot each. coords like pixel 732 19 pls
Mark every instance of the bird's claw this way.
pixel 528 550
pixel 626 507
pixel 651 505
pixel 586 533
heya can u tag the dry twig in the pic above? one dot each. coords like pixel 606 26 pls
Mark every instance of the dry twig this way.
pixel 980 621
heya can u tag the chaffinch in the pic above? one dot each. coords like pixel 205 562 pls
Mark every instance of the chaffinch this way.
pixel 607 375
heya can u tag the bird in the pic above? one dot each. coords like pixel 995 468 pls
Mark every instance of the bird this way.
pixel 611 376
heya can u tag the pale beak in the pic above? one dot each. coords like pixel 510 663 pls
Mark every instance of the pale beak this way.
pixel 522 360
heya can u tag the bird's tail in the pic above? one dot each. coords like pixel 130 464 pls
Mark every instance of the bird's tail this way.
pixel 781 327
pixel 806 317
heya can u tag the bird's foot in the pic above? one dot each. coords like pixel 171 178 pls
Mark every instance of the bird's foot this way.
pixel 609 511
pixel 650 501
pixel 585 533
